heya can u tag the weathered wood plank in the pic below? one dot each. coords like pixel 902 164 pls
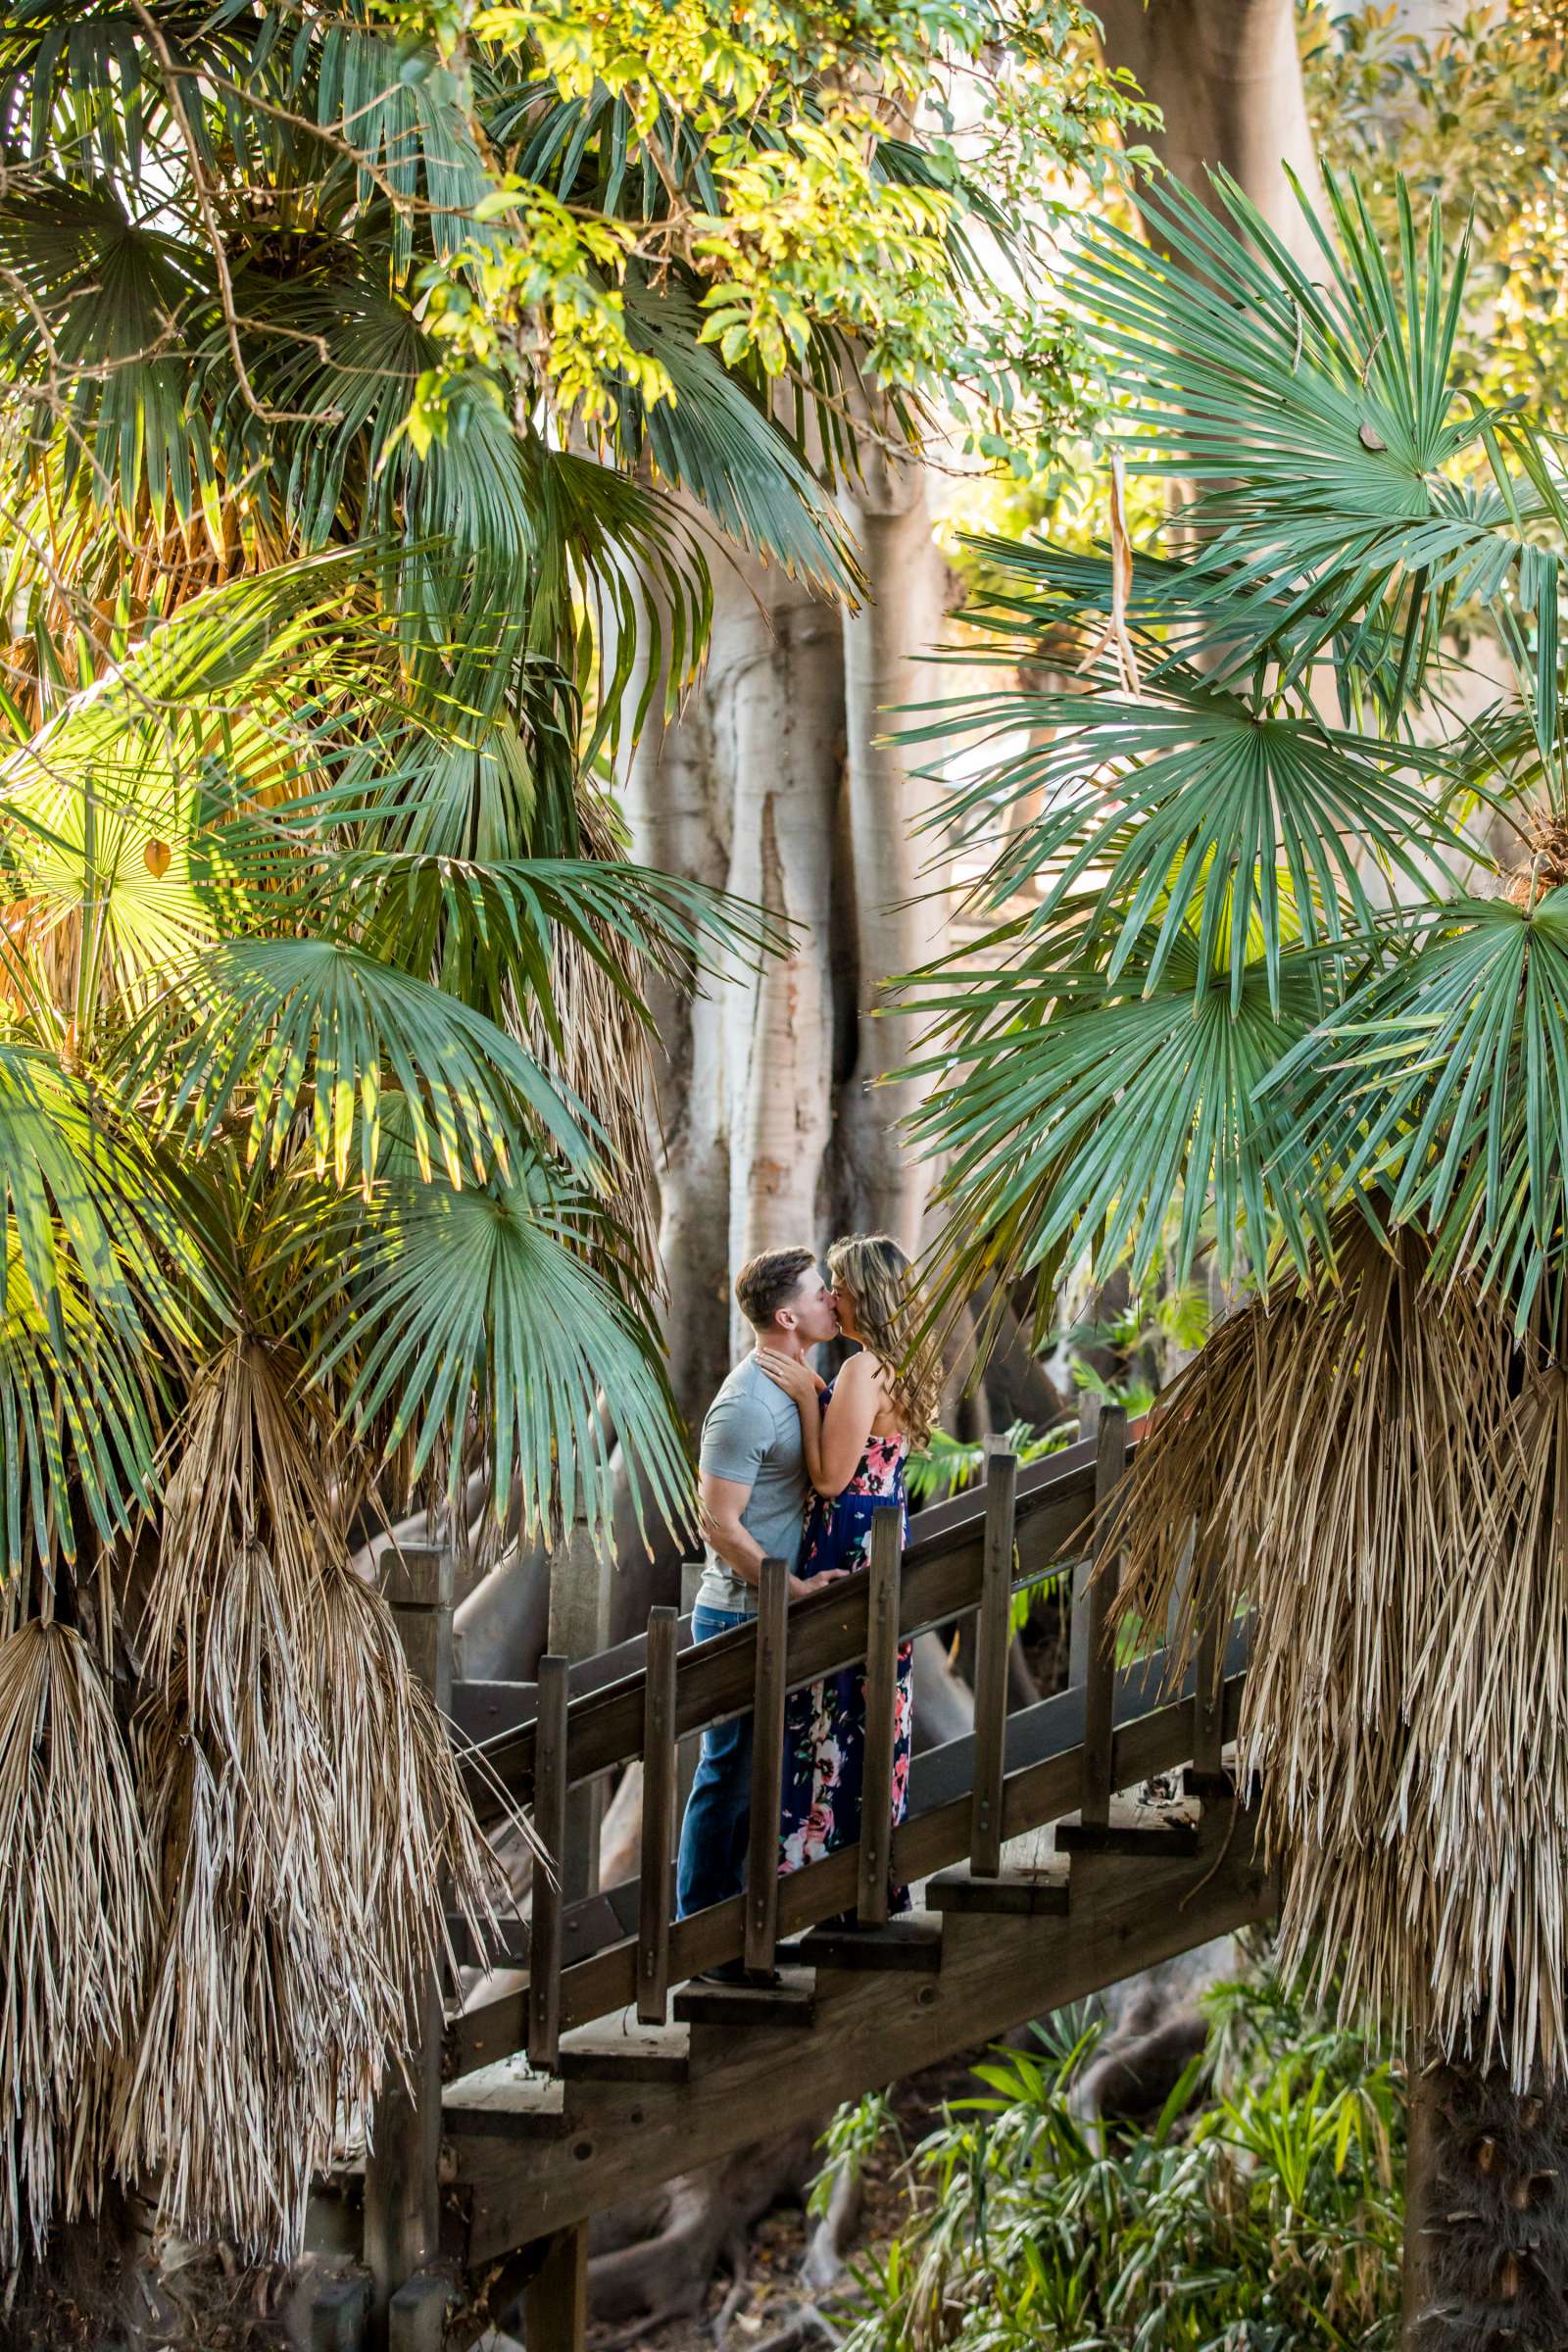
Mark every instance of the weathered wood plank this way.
pixel 582 1568
pixel 555 2301
pixel 767 1764
pixel 881 1718
pixel 658 1876
pixel 911 1945
pixel 869 2031
pixel 402 2179
pixel 1154 1739
pixel 990 1662
pixel 1013 1894
pixel 1101 1671
pixel 550 1827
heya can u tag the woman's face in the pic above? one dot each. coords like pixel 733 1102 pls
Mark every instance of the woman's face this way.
pixel 843 1301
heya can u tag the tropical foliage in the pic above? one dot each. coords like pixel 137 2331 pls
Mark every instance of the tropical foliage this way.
pixel 1261 2207
pixel 1471 111
pixel 369 385
pixel 1290 986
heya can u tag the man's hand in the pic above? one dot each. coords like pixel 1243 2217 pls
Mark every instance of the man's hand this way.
pixel 801 1587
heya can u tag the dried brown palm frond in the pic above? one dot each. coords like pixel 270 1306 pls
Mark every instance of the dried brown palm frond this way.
pixel 308 1815
pixel 1546 838
pixel 76 1925
pixel 1379 1470
pixel 255 2035
pixel 402 1812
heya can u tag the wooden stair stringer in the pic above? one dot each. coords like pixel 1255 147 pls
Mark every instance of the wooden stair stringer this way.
pixel 1128 1913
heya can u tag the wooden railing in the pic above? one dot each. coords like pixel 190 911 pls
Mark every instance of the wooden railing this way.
pixel 969 1555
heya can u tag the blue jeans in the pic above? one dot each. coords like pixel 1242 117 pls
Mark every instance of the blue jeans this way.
pixel 711 1865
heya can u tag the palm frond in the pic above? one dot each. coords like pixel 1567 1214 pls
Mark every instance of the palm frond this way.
pixel 308 1808
pixel 115 306
pixel 1157 794
pixel 270 1028
pixel 1319 417
pixel 1442 1084
pixel 1374 1467
pixel 1072 1115
pixel 491 1306
pixel 717 440
pixel 75 1929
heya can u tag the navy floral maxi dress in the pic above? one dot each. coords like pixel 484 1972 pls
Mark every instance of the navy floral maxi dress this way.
pixel 824 1724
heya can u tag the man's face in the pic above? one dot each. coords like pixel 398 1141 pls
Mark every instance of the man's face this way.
pixel 810 1314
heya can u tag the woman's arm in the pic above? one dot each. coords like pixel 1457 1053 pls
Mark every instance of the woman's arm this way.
pixel 800 1383
pixel 858 1396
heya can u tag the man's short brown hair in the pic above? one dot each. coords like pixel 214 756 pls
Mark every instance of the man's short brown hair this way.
pixel 769 1281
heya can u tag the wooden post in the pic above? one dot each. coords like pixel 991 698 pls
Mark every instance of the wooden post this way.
pixel 767 1766
pixel 1078 1623
pixel 691 1748
pixel 881 1712
pixel 657 1891
pixel 402 2172
pixel 991 1672
pixel 555 2301
pixel 550 1828
pixel 1100 1690
pixel 581 1575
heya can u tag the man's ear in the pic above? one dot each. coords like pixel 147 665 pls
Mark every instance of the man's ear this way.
pixel 785 1319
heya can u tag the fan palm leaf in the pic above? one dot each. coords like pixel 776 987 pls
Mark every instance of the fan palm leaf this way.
pixel 262 1024
pixel 490 1303
pixel 1442 1084
pixel 1153 794
pixel 1074 1114
pixel 1319 419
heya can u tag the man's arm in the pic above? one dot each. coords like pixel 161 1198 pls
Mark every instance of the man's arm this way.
pixel 720 1502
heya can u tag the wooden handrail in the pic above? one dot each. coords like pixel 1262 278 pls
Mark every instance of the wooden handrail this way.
pixel 1153 1731
pixel 942 1576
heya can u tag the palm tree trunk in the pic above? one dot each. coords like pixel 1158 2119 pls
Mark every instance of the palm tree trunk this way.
pixel 1486 2246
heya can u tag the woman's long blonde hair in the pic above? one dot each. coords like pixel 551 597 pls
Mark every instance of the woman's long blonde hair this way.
pixel 876 1273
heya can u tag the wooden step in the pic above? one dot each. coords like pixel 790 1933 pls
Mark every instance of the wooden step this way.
pixel 792 2003
pixel 1161 1837
pixel 1013 1894
pixel 505 2102
pixel 609 2052
pixel 911 1942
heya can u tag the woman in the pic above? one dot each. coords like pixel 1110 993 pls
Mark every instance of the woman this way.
pixel 856 1435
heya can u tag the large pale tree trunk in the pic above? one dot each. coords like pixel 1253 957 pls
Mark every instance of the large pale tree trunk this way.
pixel 1227 77
pixel 898 913
pixel 775 1129
pixel 774 698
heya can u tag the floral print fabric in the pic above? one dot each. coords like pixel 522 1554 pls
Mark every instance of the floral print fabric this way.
pixel 824 1724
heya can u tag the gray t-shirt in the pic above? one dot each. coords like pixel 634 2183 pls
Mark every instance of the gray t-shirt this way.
pixel 753 1435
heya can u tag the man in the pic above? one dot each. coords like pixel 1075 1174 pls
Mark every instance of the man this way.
pixel 752 1487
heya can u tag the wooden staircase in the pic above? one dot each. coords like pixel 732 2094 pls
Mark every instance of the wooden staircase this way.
pixel 596 2066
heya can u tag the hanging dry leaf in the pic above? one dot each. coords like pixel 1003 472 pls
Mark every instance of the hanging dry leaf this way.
pixel 157 854
pixel 1114 633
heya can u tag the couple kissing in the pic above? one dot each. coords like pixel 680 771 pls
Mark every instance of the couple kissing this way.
pixel 795 1467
